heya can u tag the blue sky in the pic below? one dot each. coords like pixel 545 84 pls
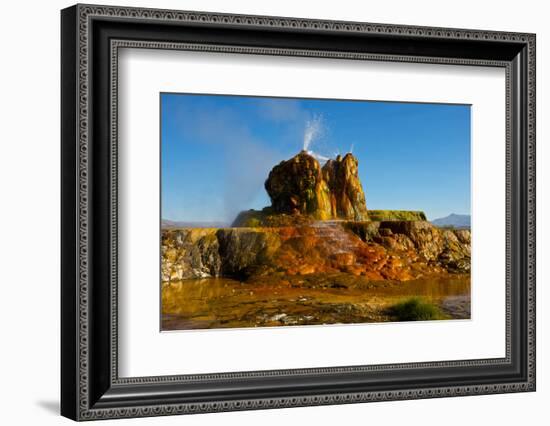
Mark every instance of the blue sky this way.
pixel 216 151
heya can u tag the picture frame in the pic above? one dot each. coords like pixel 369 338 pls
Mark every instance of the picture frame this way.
pixel 90 384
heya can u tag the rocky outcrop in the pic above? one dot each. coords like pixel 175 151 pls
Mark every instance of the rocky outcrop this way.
pixel 450 248
pixel 210 252
pixel 301 186
pixel 302 191
pixel 296 186
pixel 347 199
pixel 375 250
pixel 190 253
pixel 245 252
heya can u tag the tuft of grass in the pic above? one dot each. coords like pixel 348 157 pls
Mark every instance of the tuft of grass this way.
pixel 415 309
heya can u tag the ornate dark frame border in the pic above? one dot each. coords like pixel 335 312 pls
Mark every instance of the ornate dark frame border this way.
pixel 91 37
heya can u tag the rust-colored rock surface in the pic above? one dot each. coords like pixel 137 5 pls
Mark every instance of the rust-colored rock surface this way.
pixel 301 186
pixel 390 250
pixel 296 186
pixel 347 198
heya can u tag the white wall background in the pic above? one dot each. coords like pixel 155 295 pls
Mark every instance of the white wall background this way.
pixel 29 216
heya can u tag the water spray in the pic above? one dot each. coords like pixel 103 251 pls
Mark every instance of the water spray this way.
pixel 312 131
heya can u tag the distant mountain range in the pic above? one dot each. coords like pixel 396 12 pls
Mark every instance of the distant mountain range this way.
pixel 165 223
pixel 454 220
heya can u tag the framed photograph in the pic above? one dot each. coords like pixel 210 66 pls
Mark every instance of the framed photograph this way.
pixel 263 212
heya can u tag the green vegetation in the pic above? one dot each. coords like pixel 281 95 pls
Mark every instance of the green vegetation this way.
pixel 251 218
pixel 415 309
pixel 403 215
pixel 267 218
pixel 254 222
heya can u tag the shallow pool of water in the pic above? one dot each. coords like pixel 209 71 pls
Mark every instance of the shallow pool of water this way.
pixel 303 300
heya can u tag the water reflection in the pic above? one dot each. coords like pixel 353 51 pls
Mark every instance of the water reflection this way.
pixel 302 300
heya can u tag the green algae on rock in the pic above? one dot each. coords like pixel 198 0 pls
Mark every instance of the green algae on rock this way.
pixel 268 218
pixel 400 215
pixel 379 250
pixel 296 186
pixel 302 191
pixel 347 198
pixel 301 186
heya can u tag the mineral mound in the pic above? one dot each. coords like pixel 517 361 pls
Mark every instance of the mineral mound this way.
pixel 317 223
pixel 300 189
pixel 296 186
pixel 347 200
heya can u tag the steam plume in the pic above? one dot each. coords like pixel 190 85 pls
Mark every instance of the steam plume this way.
pixel 313 131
